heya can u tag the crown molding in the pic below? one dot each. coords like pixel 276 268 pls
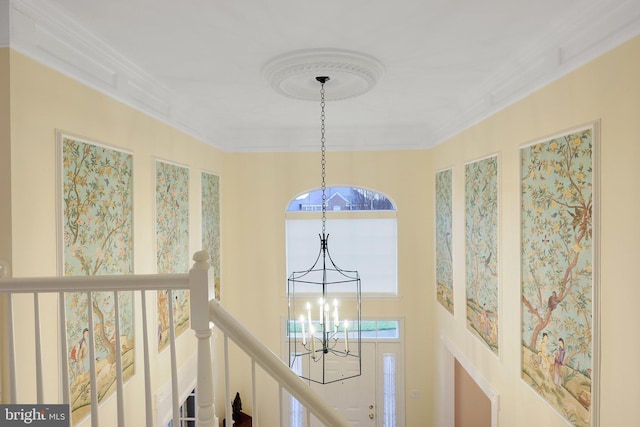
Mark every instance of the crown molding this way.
pixel 42 32
pixel 597 29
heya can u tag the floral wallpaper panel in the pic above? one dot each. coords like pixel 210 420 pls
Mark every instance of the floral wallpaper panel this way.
pixel 557 272
pixel 97 216
pixel 211 223
pixel 444 255
pixel 481 244
pixel 172 244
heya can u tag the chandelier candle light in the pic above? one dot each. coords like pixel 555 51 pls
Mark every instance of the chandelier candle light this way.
pixel 328 349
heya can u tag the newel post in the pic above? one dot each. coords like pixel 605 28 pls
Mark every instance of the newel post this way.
pixel 201 286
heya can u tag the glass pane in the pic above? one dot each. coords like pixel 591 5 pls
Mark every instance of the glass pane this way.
pixel 371 329
pixel 341 199
pixel 389 393
pixel 387 329
pixel 381 329
pixel 295 407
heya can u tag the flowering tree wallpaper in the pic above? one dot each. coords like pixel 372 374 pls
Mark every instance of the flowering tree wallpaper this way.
pixel 481 258
pixel 444 255
pixel 97 221
pixel 211 224
pixel 557 272
pixel 172 244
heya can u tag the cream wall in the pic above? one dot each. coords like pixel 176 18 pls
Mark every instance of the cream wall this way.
pixel 5 159
pixel 5 189
pixel 43 101
pixel 608 89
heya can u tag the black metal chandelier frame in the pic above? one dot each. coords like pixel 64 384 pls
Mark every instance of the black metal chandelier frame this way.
pixel 317 341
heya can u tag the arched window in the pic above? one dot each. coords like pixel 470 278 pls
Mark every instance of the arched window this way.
pixel 362 228
pixel 341 199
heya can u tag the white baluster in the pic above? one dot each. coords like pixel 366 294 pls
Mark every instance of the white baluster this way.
pixel 12 353
pixel 228 410
pixel 147 369
pixel 38 339
pixel 92 365
pixel 281 404
pixel 255 421
pixel 64 348
pixel 175 393
pixel 201 285
pixel 119 385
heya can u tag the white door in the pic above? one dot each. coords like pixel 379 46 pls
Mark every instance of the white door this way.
pixel 354 398
pixel 374 399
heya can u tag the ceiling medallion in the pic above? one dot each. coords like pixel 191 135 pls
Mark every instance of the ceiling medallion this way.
pixel 294 74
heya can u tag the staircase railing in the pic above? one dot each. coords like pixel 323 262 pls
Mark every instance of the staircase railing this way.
pixel 272 365
pixel 40 288
pixel 205 311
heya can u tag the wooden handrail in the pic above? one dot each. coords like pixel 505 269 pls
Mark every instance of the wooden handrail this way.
pixel 131 282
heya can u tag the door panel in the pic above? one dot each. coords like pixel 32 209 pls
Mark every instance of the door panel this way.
pixel 361 400
pixel 354 398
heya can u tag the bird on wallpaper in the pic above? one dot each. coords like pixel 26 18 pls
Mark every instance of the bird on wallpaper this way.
pixel 579 216
pixel 487 260
pixel 553 301
pixel 487 263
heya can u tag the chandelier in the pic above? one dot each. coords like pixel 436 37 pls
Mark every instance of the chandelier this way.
pixel 324 306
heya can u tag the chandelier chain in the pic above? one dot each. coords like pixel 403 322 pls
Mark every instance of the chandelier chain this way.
pixel 323 161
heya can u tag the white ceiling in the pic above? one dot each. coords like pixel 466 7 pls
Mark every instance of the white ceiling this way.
pixel 197 64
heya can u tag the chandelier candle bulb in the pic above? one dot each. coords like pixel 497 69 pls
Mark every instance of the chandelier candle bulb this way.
pixel 326 316
pixel 346 336
pixel 304 338
pixel 313 342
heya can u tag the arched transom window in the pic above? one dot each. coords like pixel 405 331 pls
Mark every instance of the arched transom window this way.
pixel 362 228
